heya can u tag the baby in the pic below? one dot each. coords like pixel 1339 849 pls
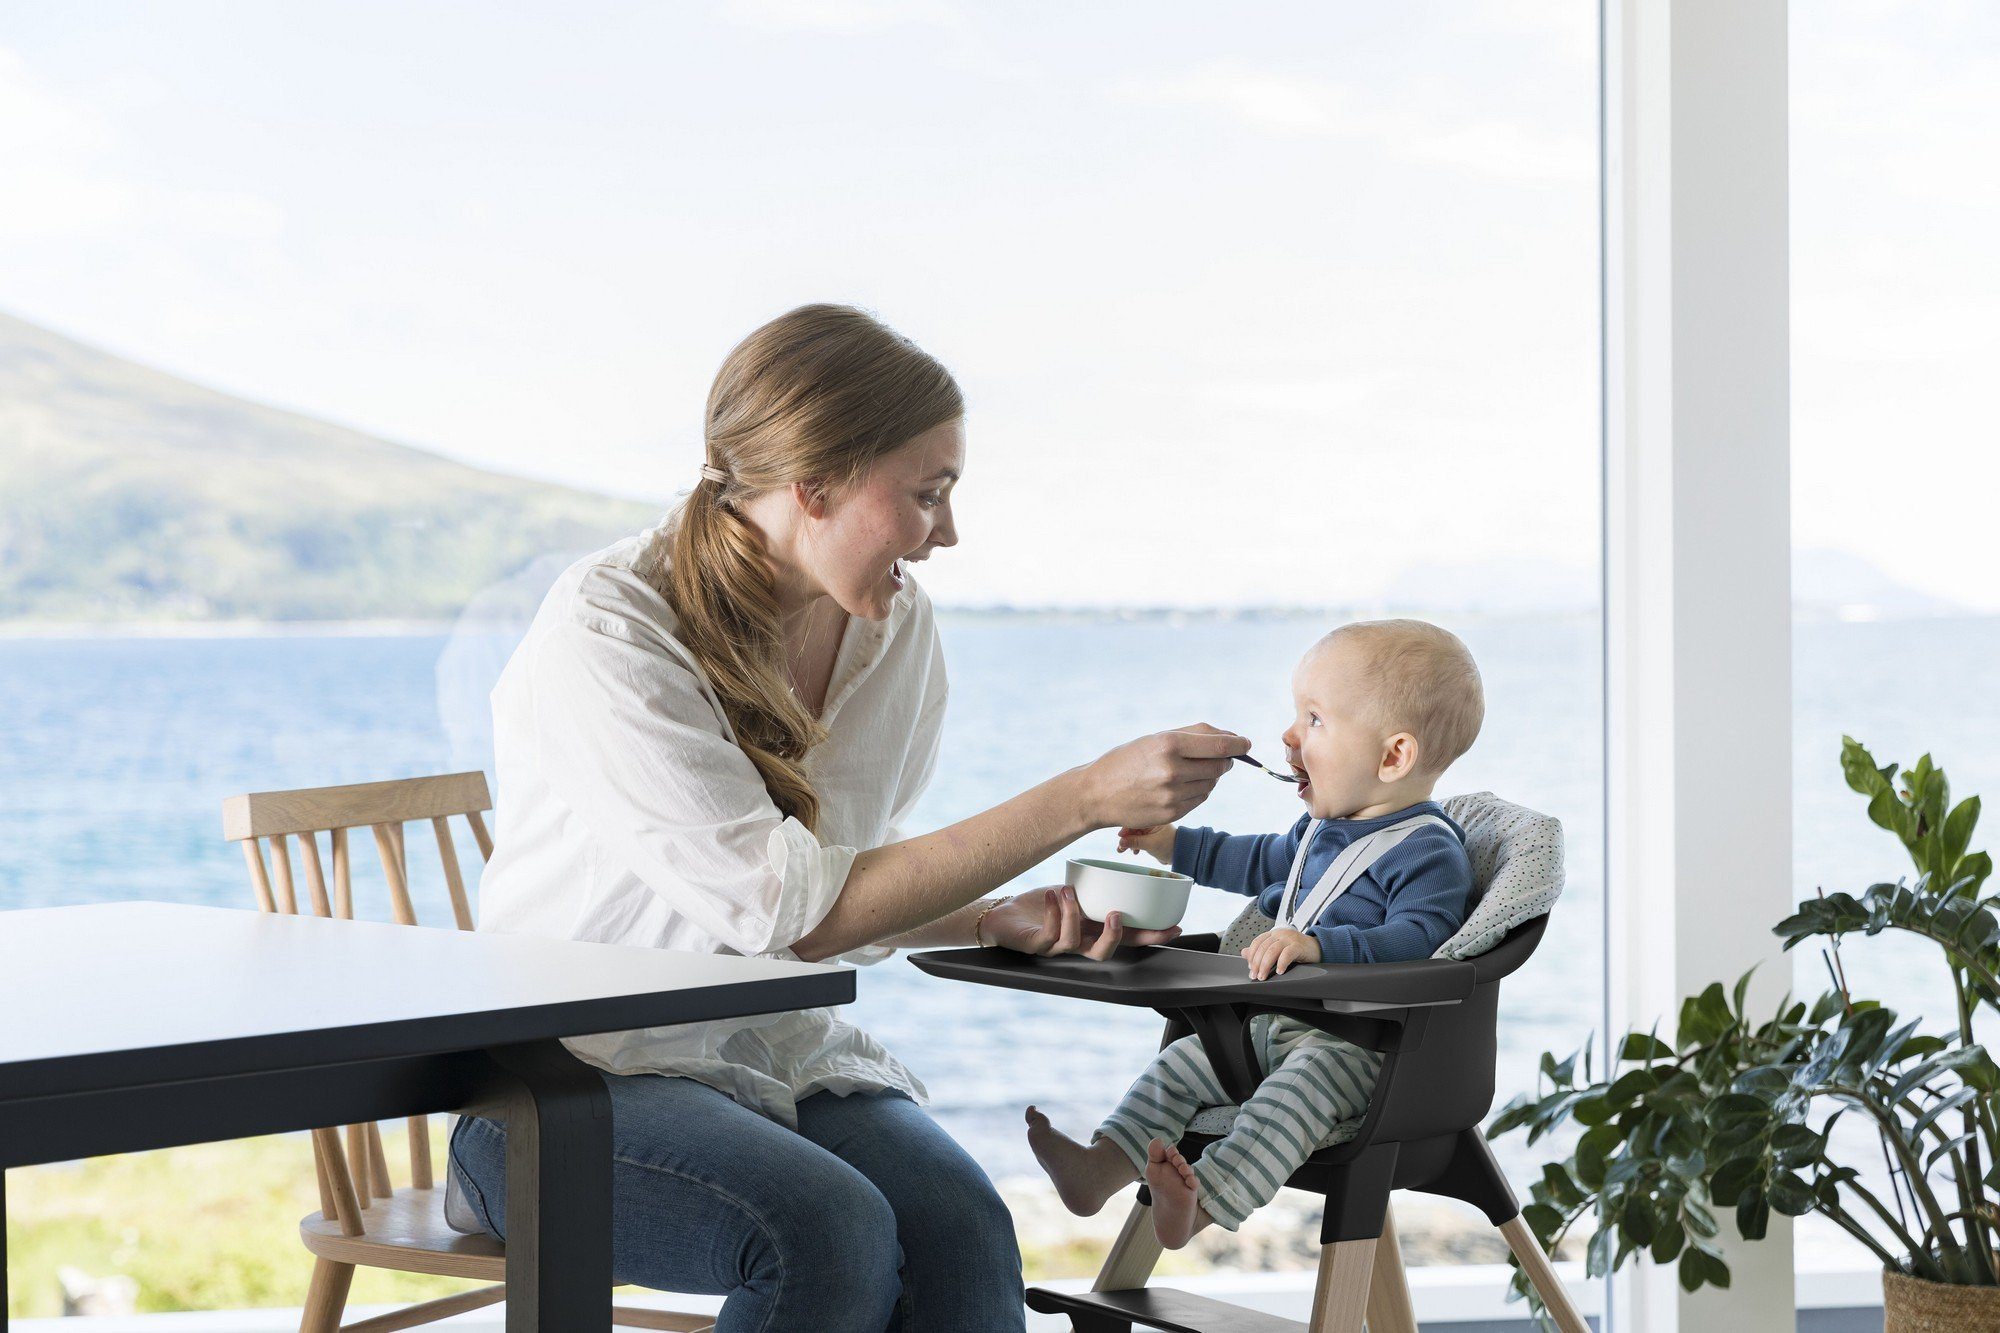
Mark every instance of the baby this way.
pixel 1374 872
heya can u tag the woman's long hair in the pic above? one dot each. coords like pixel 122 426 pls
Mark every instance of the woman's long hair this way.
pixel 817 395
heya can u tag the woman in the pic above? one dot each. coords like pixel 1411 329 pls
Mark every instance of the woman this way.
pixel 710 739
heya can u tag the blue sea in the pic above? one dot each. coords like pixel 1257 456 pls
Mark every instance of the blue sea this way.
pixel 116 754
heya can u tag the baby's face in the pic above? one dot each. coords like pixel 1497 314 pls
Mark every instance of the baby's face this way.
pixel 1335 745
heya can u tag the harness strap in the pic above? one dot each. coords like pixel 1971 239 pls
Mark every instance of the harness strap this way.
pixel 1351 864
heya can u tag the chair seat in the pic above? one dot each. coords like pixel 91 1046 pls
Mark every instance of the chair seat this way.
pixel 1216 1121
pixel 407 1232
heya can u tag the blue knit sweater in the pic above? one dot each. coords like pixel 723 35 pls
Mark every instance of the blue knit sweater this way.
pixel 1413 899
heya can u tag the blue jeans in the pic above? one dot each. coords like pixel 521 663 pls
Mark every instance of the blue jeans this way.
pixel 867 1218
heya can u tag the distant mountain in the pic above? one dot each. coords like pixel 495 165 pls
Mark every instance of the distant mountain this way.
pixel 1827 584
pixel 129 494
pixel 1832 584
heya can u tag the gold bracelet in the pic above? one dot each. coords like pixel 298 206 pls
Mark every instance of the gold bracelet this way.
pixel 980 920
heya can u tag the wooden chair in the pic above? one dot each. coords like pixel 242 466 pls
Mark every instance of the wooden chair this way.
pixel 364 1221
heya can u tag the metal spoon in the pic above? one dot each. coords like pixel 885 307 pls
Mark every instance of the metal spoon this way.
pixel 1282 777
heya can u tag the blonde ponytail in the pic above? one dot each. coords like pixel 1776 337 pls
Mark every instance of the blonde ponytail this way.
pixel 817 395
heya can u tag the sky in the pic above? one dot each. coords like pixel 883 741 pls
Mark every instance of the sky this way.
pixel 1252 304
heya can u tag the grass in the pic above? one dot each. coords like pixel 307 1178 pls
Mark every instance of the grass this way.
pixel 212 1227
pixel 215 1227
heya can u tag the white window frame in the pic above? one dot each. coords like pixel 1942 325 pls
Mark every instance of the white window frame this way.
pixel 1697 551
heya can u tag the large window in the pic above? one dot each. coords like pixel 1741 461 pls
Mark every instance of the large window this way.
pixel 1894 288
pixel 1269 317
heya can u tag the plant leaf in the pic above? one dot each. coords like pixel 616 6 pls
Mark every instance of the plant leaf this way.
pixel 1858 767
pixel 1753 1217
pixel 1668 1241
pixel 1644 1046
pixel 1957 833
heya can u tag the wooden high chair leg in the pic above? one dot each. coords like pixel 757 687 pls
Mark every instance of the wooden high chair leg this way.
pixel 1543 1274
pixel 1390 1309
pixel 1340 1298
pixel 326 1297
pixel 1132 1255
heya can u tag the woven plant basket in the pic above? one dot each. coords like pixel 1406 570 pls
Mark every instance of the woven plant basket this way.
pixel 1912 1305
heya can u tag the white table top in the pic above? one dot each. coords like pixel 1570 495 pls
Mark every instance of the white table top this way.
pixel 115 993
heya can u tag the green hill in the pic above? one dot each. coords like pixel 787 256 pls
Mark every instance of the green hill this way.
pixel 129 494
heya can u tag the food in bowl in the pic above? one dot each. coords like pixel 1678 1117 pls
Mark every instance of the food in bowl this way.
pixel 1144 898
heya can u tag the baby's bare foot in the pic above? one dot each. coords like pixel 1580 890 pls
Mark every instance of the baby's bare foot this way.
pixel 1084 1177
pixel 1177 1214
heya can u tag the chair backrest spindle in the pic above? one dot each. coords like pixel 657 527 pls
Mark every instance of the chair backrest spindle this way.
pixel 359 1165
pixel 378 1163
pixel 480 835
pixel 281 875
pixel 420 1155
pixel 315 877
pixel 336 1187
pixel 260 880
pixel 386 846
pixel 343 877
pixel 454 882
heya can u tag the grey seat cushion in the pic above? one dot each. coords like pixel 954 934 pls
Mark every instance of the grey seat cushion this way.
pixel 1517 875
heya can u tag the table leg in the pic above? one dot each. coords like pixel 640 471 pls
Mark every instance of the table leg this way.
pixel 558 1192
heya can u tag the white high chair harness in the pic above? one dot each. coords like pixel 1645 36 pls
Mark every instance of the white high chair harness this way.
pixel 1298 910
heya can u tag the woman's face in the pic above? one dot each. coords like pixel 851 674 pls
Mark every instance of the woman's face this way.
pixel 858 542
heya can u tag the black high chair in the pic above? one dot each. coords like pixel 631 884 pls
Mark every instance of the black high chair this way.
pixel 1435 1023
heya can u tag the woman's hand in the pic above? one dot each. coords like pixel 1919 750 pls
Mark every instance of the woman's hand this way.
pixel 1157 779
pixel 1049 921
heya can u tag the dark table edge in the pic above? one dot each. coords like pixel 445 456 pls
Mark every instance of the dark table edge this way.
pixel 435 1035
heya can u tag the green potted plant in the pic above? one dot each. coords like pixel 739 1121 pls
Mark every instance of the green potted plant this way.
pixel 1735 1113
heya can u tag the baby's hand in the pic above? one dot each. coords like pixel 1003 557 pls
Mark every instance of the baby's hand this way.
pixel 1156 842
pixel 1277 949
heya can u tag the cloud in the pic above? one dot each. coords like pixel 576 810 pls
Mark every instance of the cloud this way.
pixel 838 15
pixel 1285 396
pixel 1418 129
pixel 56 160
pixel 42 137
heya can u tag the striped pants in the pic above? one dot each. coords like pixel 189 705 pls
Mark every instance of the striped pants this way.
pixel 1313 1081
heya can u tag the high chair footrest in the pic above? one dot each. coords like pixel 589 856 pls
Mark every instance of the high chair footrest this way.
pixel 1156 1307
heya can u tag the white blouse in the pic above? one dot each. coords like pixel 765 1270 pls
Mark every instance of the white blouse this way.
pixel 627 815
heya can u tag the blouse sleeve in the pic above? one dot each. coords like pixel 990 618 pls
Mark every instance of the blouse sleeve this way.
pixel 632 744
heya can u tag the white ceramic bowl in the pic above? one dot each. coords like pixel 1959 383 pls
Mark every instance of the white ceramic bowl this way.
pixel 1147 898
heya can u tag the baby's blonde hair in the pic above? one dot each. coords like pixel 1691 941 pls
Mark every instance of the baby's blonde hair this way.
pixel 1420 678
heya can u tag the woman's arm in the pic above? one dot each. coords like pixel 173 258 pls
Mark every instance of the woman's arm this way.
pixel 631 744
pixel 953 928
pixel 894 890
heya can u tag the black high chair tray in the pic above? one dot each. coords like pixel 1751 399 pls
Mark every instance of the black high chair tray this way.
pixel 1166 977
